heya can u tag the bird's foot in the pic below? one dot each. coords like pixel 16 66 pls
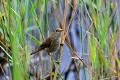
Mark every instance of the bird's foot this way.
pixel 58 62
pixel 49 54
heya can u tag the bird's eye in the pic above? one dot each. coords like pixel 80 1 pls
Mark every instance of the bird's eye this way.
pixel 56 30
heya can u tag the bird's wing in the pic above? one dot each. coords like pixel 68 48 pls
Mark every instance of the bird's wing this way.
pixel 46 43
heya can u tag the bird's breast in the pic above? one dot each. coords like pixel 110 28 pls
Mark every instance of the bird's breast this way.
pixel 53 47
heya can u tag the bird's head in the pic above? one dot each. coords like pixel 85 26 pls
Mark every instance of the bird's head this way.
pixel 57 33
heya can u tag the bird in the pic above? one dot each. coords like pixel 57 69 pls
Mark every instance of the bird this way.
pixel 52 43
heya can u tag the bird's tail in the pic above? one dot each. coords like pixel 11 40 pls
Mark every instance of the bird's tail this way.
pixel 35 51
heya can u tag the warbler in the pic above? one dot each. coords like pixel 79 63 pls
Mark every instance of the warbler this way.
pixel 52 43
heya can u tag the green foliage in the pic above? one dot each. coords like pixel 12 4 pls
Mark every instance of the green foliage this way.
pixel 18 15
pixel 100 47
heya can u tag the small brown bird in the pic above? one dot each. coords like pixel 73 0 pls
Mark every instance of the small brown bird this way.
pixel 51 44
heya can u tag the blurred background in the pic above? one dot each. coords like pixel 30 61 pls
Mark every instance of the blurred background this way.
pixel 91 49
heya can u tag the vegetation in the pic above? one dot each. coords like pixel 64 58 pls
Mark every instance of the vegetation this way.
pixel 24 23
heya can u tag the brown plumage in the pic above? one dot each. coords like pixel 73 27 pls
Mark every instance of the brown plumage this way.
pixel 51 44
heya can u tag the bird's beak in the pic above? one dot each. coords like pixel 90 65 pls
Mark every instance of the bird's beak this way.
pixel 59 30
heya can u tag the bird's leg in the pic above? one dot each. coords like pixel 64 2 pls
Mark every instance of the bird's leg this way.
pixel 53 58
pixel 58 62
pixel 49 54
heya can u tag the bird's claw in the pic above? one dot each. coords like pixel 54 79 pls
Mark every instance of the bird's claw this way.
pixel 58 62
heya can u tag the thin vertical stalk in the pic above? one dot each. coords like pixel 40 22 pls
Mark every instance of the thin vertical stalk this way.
pixel 50 58
pixel 62 39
